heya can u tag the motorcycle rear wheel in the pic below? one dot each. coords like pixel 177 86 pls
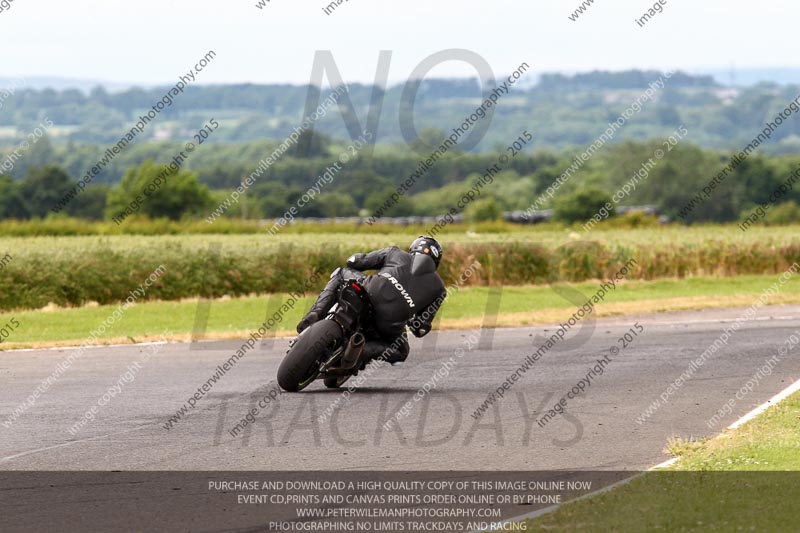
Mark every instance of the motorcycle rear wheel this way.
pixel 301 364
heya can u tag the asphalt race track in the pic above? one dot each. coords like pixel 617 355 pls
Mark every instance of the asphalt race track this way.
pixel 599 430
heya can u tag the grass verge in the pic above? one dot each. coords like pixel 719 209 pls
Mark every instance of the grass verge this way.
pixel 742 480
pixel 518 306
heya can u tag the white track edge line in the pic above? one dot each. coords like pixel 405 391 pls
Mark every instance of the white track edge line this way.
pixel 665 464
pixel 550 509
pixel 791 389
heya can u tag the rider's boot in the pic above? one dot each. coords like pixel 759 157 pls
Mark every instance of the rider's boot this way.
pixel 324 302
pixel 394 353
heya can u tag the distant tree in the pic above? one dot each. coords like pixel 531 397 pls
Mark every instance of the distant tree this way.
pixel 382 201
pixel 273 198
pixel 429 139
pixel 785 213
pixel 336 204
pixel 172 194
pixel 41 153
pixel 758 177
pixel 43 187
pixel 435 202
pixel 581 205
pixel 360 184
pixel 99 95
pixel 483 210
pixel 222 176
pixel 311 144
pixel 668 115
pixel 12 202
pixel 91 203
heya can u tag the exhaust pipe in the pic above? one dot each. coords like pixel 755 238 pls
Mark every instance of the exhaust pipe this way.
pixel 353 351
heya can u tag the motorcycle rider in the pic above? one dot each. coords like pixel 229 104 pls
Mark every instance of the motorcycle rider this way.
pixel 405 290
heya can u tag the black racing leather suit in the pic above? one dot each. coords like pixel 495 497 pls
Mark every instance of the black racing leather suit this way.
pixel 405 288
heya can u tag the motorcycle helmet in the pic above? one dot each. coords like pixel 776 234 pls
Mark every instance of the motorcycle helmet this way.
pixel 428 246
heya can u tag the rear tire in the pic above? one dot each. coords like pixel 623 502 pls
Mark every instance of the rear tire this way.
pixel 335 383
pixel 300 366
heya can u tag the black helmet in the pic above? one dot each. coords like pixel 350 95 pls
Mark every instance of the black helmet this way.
pixel 427 246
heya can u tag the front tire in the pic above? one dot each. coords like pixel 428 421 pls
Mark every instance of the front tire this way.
pixel 300 366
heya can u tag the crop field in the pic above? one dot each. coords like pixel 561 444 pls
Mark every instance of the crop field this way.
pixel 75 270
pixel 313 235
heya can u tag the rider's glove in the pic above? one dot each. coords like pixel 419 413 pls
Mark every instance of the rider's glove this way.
pixel 307 320
pixel 419 328
pixel 353 259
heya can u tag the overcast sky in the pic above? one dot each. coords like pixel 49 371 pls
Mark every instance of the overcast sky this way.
pixel 153 41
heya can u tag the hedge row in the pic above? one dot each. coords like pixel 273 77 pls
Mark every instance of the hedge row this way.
pixel 36 279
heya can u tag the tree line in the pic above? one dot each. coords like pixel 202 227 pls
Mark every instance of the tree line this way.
pixel 564 110
pixel 364 183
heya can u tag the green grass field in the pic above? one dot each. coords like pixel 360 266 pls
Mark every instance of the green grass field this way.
pixel 464 308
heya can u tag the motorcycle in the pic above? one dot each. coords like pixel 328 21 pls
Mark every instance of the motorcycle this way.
pixel 331 348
